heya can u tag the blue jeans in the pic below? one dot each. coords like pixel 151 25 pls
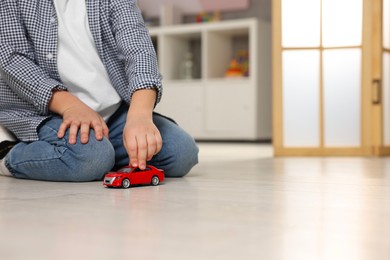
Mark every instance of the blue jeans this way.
pixel 54 159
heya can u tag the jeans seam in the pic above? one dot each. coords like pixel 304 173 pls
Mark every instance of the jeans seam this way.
pixel 9 167
pixel 63 140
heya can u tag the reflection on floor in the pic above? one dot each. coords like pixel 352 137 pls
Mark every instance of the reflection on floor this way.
pixel 238 203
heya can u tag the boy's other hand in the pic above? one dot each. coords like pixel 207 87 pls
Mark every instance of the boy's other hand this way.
pixel 82 118
pixel 77 117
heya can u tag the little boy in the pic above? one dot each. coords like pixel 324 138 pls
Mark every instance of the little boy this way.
pixel 79 82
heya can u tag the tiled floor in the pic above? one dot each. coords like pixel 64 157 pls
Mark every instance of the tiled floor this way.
pixel 238 203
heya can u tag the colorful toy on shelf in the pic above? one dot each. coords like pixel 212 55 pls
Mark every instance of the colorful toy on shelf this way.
pixel 243 61
pixel 204 17
pixel 239 66
pixel 129 176
pixel 217 16
pixel 234 70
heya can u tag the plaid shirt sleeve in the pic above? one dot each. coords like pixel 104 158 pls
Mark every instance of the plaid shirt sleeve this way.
pixel 28 57
pixel 135 47
pixel 17 66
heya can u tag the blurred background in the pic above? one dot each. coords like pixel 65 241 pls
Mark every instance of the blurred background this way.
pixel 309 76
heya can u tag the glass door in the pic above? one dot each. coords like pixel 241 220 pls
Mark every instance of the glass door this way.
pixel 320 77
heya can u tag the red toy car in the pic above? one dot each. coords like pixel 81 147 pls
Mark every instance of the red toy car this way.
pixel 127 176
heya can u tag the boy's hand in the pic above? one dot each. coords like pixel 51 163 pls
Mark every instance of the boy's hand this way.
pixel 82 118
pixel 141 137
pixel 77 116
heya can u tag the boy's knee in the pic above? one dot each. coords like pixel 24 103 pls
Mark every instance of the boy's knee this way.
pixel 184 156
pixel 93 160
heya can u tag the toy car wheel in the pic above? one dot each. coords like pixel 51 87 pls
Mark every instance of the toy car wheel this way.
pixel 126 183
pixel 155 181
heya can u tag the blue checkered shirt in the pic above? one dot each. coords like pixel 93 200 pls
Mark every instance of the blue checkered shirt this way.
pixel 28 51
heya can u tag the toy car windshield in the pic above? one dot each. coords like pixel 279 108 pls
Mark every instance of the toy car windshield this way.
pixel 125 170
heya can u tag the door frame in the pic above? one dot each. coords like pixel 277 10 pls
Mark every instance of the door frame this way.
pixel 380 149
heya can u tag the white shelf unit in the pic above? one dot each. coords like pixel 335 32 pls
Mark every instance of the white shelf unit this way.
pixel 210 106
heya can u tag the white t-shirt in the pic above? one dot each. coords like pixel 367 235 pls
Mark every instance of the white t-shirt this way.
pixel 79 65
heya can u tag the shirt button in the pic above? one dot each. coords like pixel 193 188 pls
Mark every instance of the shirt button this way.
pixel 52 20
pixel 50 56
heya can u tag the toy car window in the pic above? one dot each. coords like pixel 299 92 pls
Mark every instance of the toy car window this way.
pixel 125 170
